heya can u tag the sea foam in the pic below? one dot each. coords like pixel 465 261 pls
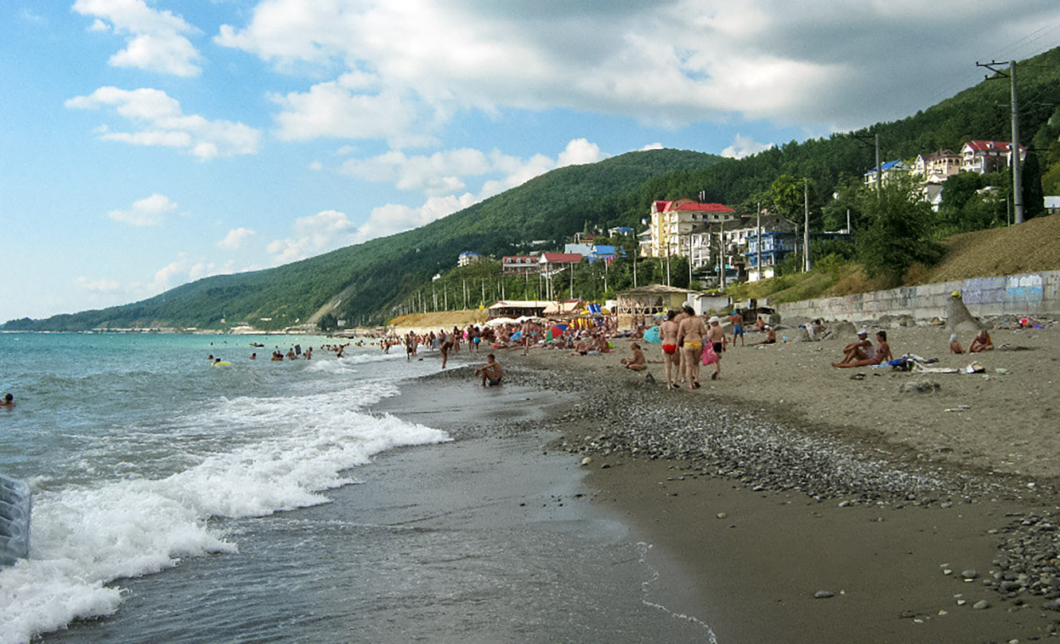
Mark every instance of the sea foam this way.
pixel 250 457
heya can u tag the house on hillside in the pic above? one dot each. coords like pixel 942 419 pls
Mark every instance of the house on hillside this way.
pixel 620 230
pixel 984 157
pixel 520 265
pixel 889 170
pixel 552 263
pixel 467 258
pixel 937 166
pixel 673 223
pixel 776 246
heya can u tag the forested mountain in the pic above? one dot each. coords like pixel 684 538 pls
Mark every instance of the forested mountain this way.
pixel 362 282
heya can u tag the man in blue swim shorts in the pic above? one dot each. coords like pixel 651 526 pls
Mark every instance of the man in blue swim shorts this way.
pixel 737 327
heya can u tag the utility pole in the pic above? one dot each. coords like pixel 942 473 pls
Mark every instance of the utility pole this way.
pixel 879 168
pixel 721 247
pixel 758 234
pixel 1014 146
pixel 806 225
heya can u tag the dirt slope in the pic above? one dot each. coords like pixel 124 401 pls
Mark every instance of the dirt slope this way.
pixel 1027 248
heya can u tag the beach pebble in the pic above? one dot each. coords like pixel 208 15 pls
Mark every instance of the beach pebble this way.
pixel 970 574
pixel 587 460
pixel 982 604
pixel 823 594
pixel 722 515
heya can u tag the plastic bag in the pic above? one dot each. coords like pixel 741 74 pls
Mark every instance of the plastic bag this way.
pixel 709 357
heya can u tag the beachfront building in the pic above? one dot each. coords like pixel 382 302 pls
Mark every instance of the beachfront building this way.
pixel 518 308
pixel 674 222
pixel 520 265
pixel 651 299
pixel 984 157
pixel 553 263
pixel 889 170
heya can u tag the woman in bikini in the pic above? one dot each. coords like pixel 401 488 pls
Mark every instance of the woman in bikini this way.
pixel 690 337
pixel 883 354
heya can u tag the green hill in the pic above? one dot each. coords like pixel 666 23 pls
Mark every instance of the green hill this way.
pixel 363 282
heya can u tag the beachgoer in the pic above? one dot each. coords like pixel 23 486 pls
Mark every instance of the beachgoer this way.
pixel 253 356
pixel 637 362
pixel 716 336
pixel 671 358
pixel 445 346
pixel 8 401
pixel 771 335
pixel 859 349
pixel 883 354
pixel 491 372
pixel 955 346
pixel 981 342
pixel 691 335
pixel 760 324
pixel 737 327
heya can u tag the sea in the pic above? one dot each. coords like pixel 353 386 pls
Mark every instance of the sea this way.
pixel 262 501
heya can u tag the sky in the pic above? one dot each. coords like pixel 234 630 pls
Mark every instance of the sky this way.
pixel 148 143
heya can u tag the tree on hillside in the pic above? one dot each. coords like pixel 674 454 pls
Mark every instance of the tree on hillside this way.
pixel 897 230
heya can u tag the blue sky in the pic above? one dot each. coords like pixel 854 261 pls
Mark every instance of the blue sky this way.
pixel 148 143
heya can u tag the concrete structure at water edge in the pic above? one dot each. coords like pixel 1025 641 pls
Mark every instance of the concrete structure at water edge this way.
pixel 1030 294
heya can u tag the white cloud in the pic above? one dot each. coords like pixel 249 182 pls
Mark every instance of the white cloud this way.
pixel 156 40
pixel 150 211
pixel 391 218
pixel 180 271
pixel 236 238
pixel 312 235
pixel 579 152
pixel 159 121
pixel 407 67
pixel 744 146
pixel 98 286
pixel 652 146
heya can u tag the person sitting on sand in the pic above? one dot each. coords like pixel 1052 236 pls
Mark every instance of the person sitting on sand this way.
pixel 491 372
pixel 8 401
pixel 637 362
pixel 883 354
pixel 771 336
pixel 858 349
pixel 981 342
pixel 955 346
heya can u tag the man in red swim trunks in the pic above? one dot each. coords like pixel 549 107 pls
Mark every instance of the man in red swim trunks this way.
pixel 671 357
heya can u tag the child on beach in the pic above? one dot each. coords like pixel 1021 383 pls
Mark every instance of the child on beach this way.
pixel 637 362
pixel 955 346
pixel 491 372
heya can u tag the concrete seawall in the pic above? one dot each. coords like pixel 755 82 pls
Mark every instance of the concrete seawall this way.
pixel 1028 294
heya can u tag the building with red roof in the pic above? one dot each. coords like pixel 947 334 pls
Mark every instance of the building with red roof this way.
pixel 988 156
pixel 674 222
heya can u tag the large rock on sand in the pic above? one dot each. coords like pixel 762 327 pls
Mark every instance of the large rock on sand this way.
pixel 844 329
pixel 958 318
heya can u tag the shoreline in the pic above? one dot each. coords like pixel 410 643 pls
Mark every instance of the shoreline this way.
pixel 770 503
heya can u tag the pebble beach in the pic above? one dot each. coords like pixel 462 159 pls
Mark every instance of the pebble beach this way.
pixel 813 504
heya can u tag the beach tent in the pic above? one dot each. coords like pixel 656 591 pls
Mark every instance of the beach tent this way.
pixel 651 336
pixel 500 322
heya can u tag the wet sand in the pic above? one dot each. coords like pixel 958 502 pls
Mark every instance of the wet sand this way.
pixel 896 489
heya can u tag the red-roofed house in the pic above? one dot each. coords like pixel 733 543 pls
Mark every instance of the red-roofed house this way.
pixel 673 223
pixel 520 265
pixel 987 156
pixel 552 263
pixel 937 166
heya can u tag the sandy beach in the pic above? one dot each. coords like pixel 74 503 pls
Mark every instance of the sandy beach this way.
pixel 813 504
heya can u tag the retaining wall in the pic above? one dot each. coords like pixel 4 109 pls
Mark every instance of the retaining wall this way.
pixel 1029 294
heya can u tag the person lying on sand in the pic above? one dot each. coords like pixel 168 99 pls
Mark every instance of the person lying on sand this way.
pixel 981 342
pixel 883 354
pixel 637 362
pixel 955 346
pixel 491 372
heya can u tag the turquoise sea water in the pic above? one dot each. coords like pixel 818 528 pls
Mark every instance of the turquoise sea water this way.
pixel 136 447
pixel 175 501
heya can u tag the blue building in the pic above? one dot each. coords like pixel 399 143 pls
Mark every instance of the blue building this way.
pixel 776 246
